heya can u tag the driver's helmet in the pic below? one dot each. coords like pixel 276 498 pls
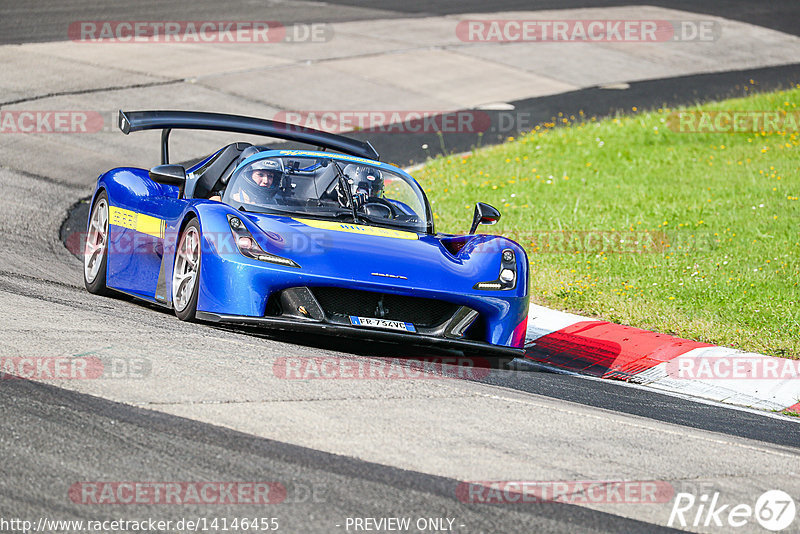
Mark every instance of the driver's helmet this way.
pixel 265 172
pixel 364 180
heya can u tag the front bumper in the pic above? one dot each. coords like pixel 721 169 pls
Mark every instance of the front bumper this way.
pixel 375 334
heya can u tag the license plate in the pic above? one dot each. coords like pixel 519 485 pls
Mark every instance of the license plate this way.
pixel 382 323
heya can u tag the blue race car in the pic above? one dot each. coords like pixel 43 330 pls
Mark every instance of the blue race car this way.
pixel 329 240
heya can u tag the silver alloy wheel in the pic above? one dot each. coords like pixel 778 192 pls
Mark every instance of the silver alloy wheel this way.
pixel 184 274
pixel 96 241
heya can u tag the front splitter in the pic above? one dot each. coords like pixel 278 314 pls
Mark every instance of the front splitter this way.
pixel 375 334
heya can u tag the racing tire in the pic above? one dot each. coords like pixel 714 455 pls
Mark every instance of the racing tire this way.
pixel 186 272
pixel 95 251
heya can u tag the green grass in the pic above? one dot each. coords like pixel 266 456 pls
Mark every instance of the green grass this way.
pixel 716 216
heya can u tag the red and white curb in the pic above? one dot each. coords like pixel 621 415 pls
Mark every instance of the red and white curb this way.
pixel 608 350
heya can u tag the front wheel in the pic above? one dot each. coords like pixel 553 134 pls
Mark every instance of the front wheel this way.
pixel 186 272
pixel 95 251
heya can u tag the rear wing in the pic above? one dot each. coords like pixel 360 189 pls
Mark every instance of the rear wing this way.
pixel 166 121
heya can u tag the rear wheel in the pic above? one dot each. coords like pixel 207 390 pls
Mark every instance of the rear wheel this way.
pixel 186 272
pixel 95 252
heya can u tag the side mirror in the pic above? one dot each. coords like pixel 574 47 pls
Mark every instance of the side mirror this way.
pixel 484 214
pixel 169 175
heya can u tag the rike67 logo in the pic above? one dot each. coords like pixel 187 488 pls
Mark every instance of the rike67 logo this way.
pixel 774 510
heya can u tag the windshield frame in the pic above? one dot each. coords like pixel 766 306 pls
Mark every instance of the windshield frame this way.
pixel 328 212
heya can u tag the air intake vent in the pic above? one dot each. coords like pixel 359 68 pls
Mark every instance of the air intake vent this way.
pixel 340 302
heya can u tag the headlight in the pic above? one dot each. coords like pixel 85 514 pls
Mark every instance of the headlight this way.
pixel 507 275
pixel 507 278
pixel 248 246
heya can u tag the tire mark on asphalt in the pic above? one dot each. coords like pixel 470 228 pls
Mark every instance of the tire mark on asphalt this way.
pixel 42 178
pixel 92 91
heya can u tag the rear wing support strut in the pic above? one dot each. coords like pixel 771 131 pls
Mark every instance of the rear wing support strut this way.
pixel 165 145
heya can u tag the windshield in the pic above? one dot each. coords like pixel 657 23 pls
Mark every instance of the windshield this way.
pixel 328 188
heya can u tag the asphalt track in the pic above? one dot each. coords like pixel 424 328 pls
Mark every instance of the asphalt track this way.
pixel 51 437
pixel 118 440
pixel 45 20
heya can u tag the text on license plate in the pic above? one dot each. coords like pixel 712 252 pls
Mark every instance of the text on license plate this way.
pixel 382 323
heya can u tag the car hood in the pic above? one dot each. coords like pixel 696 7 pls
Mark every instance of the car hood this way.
pixel 392 257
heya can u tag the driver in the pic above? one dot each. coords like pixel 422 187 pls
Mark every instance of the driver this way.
pixel 259 182
pixel 365 182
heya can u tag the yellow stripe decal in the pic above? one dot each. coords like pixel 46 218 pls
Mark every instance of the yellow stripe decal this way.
pixel 137 221
pixel 358 229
